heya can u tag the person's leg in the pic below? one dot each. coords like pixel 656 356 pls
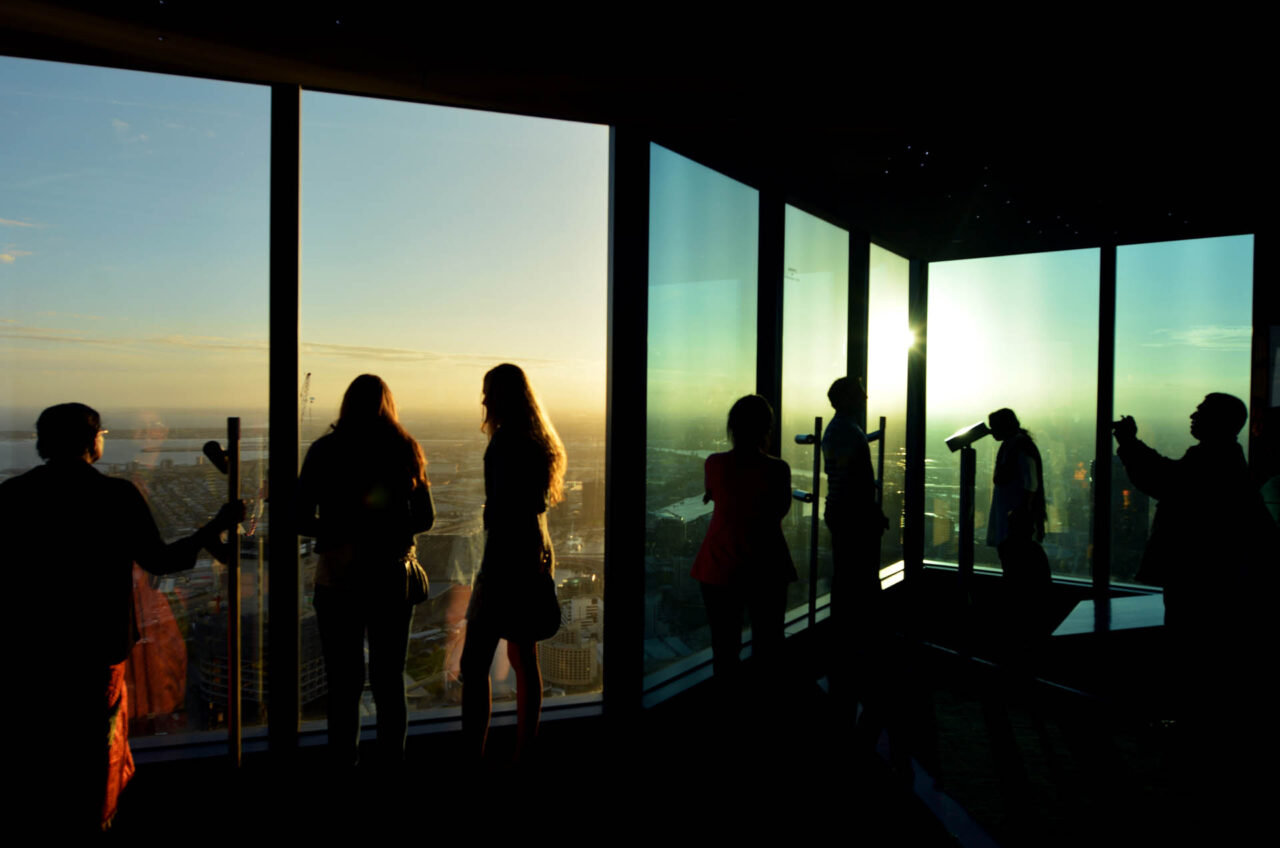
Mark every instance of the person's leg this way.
pixel 477 656
pixel 767 608
pixel 524 660
pixel 724 615
pixel 342 642
pixel 388 647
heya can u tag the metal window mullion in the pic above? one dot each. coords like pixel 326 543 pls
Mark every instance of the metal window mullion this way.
pixel 1102 463
pixel 625 420
pixel 917 311
pixel 283 705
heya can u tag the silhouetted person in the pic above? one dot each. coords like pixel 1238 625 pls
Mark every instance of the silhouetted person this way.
pixel 524 469
pixel 72 536
pixel 1204 549
pixel 1199 548
pixel 1015 527
pixel 852 514
pixel 744 563
pixel 363 495
pixel 859 671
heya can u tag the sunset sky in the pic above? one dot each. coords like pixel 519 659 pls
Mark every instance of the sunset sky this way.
pixel 436 243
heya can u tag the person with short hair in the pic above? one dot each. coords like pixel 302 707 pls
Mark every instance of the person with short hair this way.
pixel 1198 548
pixel 1015 526
pixel 72 536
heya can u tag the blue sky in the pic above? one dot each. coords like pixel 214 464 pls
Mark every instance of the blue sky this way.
pixel 134 214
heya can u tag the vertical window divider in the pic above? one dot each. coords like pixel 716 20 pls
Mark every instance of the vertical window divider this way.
pixel 913 497
pixel 769 298
pixel 625 422
pixel 284 595
pixel 859 314
pixel 1100 564
pixel 1266 337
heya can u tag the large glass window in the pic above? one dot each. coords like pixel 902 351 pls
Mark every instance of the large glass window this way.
pixel 1183 329
pixel 1018 332
pixel 703 234
pixel 133 278
pixel 889 340
pixel 437 243
pixel 815 347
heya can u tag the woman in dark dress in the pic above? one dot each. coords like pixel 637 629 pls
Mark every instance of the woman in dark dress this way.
pixel 363 495
pixel 524 469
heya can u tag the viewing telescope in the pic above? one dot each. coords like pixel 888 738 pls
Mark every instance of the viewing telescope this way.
pixel 966 436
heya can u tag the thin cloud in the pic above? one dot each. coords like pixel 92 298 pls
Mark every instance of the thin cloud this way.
pixel 396 354
pixel 122 132
pixel 9 256
pixel 9 222
pixel 49 313
pixel 12 329
pixel 1209 337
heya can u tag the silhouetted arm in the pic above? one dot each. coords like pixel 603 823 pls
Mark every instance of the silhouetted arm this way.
pixel 309 482
pixel 422 509
pixel 155 556
pixel 1153 474
pixel 780 491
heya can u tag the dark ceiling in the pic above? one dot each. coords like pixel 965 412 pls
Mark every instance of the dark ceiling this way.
pixel 967 153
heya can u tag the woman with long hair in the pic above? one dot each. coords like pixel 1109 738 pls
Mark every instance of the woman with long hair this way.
pixel 524 468
pixel 744 563
pixel 363 495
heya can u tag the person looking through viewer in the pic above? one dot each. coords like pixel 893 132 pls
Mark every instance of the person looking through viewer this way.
pixel 1015 527
pixel 524 469
pixel 72 536
pixel 363 495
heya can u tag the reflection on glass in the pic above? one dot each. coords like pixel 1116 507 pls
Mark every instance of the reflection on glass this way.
pixel 815 344
pixel 1184 325
pixel 1018 332
pixel 133 277
pixel 703 233
pixel 437 243
pixel 889 338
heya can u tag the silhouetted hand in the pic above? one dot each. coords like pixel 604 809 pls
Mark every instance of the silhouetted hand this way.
pixel 1125 430
pixel 228 516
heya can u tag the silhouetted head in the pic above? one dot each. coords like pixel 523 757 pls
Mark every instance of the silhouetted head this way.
pixel 368 416
pixel 750 423
pixel 845 394
pixel 1003 423
pixel 368 400
pixel 69 431
pixel 507 397
pixel 510 402
pixel 1219 416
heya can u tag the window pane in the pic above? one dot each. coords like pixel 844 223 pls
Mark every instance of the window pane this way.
pixel 437 243
pixel 703 233
pixel 1184 319
pixel 133 278
pixel 1018 332
pixel 889 338
pixel 815 344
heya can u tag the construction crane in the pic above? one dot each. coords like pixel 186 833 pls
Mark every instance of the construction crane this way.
pixel 305 399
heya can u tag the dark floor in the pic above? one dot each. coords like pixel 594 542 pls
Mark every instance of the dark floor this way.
pixel 1036 741
pixel 681 771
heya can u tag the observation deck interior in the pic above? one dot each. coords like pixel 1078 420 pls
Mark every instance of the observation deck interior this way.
pixel 924 150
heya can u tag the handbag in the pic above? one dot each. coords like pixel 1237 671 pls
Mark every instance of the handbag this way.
pixel 416 585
